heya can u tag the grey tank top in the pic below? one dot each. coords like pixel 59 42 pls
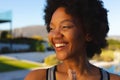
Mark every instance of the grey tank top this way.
pixel 51 74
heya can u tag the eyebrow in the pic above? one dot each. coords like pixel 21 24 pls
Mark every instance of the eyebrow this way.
pixel 66 20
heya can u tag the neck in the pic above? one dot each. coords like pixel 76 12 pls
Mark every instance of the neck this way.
pixel 79 65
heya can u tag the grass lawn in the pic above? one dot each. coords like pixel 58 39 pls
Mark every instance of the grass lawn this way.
pixel 8 64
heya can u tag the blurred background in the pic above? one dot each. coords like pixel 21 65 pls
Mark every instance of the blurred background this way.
pixel 24 44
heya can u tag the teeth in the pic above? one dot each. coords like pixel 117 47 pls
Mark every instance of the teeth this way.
pixel 59 45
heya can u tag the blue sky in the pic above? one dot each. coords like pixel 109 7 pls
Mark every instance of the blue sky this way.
pixel 30 12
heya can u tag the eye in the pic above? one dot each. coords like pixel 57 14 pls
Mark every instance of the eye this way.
pixel 66 27
pixel 51 28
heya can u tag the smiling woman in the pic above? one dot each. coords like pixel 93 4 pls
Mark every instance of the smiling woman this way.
pixel 77 29
pixel 65 27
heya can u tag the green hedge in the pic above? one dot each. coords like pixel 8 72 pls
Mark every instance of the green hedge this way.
pixel 35 45
pixel 113 44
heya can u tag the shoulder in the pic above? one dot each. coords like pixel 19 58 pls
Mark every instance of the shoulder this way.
pixel 39 74
pixel 114 77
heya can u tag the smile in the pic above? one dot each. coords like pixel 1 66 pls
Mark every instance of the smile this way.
pixel 60 45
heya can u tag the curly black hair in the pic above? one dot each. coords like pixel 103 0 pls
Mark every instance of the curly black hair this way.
pixel 93 16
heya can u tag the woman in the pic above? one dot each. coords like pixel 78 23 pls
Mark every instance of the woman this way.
pixel 77 30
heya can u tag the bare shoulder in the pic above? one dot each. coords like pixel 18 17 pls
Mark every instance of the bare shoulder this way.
pixel 39 74
pixel 114 77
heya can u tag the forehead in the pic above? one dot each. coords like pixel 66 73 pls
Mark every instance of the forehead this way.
pixel 60 15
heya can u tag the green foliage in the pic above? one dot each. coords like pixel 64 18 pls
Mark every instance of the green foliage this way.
pixel 39 46
pixel 106 55
pixel 37 37
pixel 5 35
pixel 5 50
pixel 35 44
pixel 113 44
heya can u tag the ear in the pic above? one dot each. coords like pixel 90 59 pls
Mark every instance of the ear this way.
pixel 88 37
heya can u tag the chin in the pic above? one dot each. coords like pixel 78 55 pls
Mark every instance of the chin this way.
pixel 61 57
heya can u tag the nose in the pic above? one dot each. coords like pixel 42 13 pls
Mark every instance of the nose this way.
pixel 57 34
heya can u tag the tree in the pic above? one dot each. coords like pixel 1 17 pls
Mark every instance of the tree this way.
pixel 5 35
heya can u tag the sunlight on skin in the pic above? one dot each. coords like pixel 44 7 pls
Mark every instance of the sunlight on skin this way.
pixel 71 75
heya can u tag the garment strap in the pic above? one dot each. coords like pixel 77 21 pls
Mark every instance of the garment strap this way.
pixel 51 73
pixel 104 75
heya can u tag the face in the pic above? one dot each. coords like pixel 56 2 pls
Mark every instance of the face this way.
pixel 66 35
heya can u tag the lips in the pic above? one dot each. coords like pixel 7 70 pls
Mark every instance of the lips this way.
pixel 60 45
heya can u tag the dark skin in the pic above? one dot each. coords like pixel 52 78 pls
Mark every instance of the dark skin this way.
pixel 40 74
pixel 68 39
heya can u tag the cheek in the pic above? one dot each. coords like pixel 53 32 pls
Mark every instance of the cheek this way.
pixel 50 37
pixel 77 39
pixel 74 36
